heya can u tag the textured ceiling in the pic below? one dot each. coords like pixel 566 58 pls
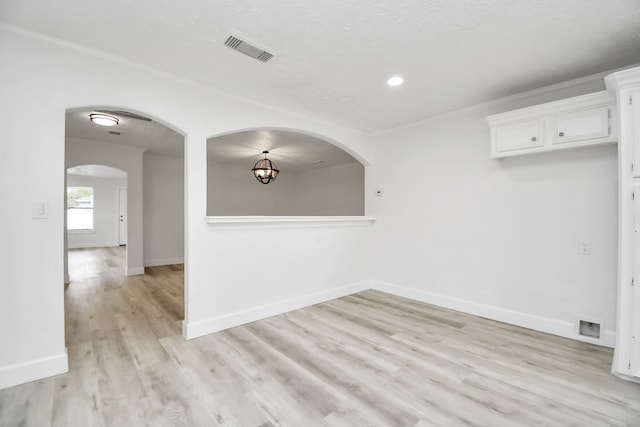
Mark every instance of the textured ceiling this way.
pixel 153 137
pixel 332 58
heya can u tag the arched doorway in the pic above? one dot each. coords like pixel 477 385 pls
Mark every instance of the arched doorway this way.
pixel 152 155
pixel 141 275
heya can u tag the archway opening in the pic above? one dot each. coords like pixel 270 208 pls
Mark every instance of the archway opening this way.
pixel 316 177
pixel 152 155
pixel 138 279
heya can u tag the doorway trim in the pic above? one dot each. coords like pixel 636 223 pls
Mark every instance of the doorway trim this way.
pixel 122 216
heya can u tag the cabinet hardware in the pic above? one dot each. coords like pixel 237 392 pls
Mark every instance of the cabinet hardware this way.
pixel 534 139
pixel 561 134
pixel 631 100
pixel 609 129
pixel 632 282
pixel 609 112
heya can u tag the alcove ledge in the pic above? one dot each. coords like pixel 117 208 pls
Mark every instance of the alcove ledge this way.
pixel 287 221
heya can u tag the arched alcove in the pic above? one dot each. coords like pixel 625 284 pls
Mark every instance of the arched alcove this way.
pixel 316 177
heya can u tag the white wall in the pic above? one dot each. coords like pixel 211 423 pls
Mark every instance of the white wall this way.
pixel 105 213
pixel 129 160
pixel 498 238
pixel 42 78
pixel 338 190
pixel 163 183
pixel 232 190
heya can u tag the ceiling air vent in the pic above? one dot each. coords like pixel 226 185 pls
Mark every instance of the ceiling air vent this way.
pixel 248 49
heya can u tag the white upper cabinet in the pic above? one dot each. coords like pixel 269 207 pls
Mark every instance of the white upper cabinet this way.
pixel 519 136
pixel 591 123
pixel 574 122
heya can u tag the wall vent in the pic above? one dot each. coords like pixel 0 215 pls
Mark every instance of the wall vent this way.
pixel 114 132
pixel 247 48
pixel 589 329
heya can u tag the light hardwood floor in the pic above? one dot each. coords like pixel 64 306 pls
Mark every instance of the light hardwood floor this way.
pixel 367 359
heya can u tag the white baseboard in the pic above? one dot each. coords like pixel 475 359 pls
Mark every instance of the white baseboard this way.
pixel 538 323
pixel 163 261
pixel 32 370
pixel 203 327
pixel 530 321
pixel 134 271
pixel 625 377
pixel 608 338
pixel 91 245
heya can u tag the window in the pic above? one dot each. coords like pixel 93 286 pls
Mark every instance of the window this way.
pixel 80 208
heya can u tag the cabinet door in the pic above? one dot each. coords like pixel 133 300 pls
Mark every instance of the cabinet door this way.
pixel 634 364
pixel 518 136
pixel 591 123
pixel 635 131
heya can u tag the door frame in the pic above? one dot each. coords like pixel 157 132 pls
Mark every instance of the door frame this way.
pixel 120 190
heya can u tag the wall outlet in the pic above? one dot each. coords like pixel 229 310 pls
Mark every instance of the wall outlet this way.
pixel 584 248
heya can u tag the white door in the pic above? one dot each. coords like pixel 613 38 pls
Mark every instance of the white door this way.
pixel 122 216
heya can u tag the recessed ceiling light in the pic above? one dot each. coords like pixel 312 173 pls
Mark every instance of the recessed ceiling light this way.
pixel 395 81
pixel 103 119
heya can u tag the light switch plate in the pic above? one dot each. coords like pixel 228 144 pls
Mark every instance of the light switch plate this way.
pixel 584 248
pixel 40 209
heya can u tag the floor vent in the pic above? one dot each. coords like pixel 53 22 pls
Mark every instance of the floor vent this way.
pixel 589 329
pixel 247 48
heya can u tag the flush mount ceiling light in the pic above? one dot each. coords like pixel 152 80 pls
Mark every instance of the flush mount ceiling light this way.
pixel 103 119
pixel 395 81
pixel 264 170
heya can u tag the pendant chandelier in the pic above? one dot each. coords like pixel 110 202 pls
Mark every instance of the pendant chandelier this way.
pixel 264 170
